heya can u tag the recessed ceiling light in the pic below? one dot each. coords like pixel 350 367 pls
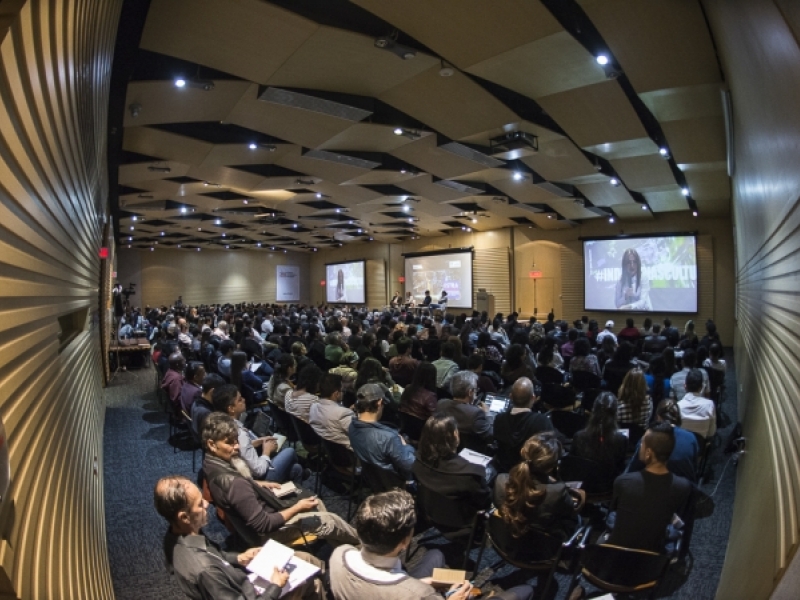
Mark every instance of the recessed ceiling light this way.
pixel 644 207
pixel 518 176
pixel 151 248
pixel 131 227
pixel 610 219
pixel 474 220
pixel 294 225
pixel 162 233
pixel 130 239
pixel 183 209
pixel 218 222
pixel 398 131
pixel 403 171
pixel 180 82
pixel 694 213
pixel 258 244
pixel 199 229
pixel 198 249
pixel 227 247
pixel 223 235
pixel 253 146
pixel 129 246
pixel 133 218
pixel 319 195
pixel 602 60
pixel 406 208
pixel 284 251
pixel 179 245
pixel 314 249
pixel 685 191
pixel 244 201
pixel 614 181
pixel 663 151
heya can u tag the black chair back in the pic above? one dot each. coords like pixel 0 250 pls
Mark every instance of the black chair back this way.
pixel 535 549
pixel 253 348
pixel 446 514
pixel 549 375
pixel 567 422
pixel 341 457
pixel 379 479
pixel 411 426
pixel 283 424
pixel 556 395
pixel 613 376
pixel 623 570
pixel 635 433
pixel 589 385
pixel 597 478
pixel 305 433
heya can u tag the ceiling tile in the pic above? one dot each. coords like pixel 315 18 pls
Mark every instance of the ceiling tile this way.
pixel 559 160
pixel 247 38
pixel 675 104
pixel 546 66
pixel 696 140
pixel 605 194
pixel 658 44
pixel 624 149
pixel 641 173
pixel 595 114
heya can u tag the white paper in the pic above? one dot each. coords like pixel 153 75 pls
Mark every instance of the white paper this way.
pixel 286 488
pixel 476 458
pixel 274 555
pixel 280 439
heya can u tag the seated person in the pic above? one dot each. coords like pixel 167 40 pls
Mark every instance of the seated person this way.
pixel 516 365
pixel 202 569
pixel 427 300
pixel 529 497
pixel 255 511
pixel 193 379
pixel 655 343
pixel 715 360
pixel 396 300
pixel 402 366
pixel 327 417
pixel 683 460
pixel 248 383
pixel 645 501
pixel 374 442
pixel 634 406
pixel 282 467
pixel 513 428
pixel 173 379
pixel 347 370
pixel 698 414
pixel 419 398
pixel 583 359
pixel 385 525
pixel 486 385
pixel 601 441
pixel 226 349
pixel 299 400
pixel 446 367
pixel 280 384
pixel 678 380
pixel 439 467
pixel 471 419
pixel 203 405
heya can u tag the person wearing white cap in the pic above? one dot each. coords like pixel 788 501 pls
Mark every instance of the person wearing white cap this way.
pixel 607 333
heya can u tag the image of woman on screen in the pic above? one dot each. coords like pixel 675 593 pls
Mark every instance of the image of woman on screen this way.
pixel 340 294
pixel 633 289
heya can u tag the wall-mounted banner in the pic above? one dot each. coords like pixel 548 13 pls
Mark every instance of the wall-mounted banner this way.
pixel 288 286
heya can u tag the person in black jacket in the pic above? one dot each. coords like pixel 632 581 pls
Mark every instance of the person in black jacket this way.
pixel 512 429
pixel 438 467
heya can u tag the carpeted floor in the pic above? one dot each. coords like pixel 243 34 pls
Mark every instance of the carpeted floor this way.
pixel 137 454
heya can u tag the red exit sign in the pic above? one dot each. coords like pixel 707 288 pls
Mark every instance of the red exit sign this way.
pixel 534 274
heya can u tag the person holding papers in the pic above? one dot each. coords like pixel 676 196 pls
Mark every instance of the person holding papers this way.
pixel 203 570
pixel 440 468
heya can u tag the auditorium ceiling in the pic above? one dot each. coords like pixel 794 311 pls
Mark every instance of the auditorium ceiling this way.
pixel 303 124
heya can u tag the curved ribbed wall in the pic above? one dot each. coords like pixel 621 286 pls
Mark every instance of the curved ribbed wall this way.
pixel 55 71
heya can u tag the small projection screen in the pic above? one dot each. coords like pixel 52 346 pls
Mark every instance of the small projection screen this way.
pixel 345 283
pixel 436 271
pixel 641 274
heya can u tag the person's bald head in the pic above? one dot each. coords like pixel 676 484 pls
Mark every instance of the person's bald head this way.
pixel 522 393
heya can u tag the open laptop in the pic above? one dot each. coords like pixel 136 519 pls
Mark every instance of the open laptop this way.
pixel 497 404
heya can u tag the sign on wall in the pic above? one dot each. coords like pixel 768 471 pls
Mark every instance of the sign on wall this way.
pixel 288 286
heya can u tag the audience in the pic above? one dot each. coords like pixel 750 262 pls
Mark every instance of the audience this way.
pixel 376 443
pixel 173 379
pixel 193 378
pixel 402 366
pixel 202 405
pixel 385 525
pixel 513 428
pixel 471 419
pixel 202 569
pixel 645 502
pixel 327 417
pixel 530 498
pixel 634 406
pixel 252 507
pixel 601 441
pixel 419 398
pixel 678 380
pixel 583 359
pixel 282 467
pixel 699 414
pixel 445 366
pixel 299 400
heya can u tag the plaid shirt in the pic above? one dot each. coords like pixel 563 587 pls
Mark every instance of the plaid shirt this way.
pixel 625 413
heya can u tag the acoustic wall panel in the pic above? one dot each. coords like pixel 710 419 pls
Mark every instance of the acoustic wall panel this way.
pixel 55 66
pixel 491 271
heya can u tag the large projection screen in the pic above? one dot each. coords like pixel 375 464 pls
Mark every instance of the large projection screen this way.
pixel 451 271
pixel 345 283
pixel 641 274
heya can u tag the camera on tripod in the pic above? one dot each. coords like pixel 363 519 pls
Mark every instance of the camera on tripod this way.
pixel 129 291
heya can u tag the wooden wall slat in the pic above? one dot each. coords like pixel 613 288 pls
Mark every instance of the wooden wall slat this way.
pixel 491 271
pixel 55 64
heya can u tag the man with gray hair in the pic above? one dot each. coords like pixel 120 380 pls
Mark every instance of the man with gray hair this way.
pixel 471 418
